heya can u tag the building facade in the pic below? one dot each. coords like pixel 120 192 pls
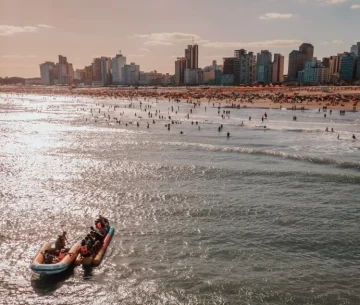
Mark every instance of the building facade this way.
pixel 180 66
pixel 315 73
pixel 118 62
pixel 65 71
pixel 264 67
pixel 193 77
pixel 278 69
pixel 244 67
pixel 131 74
pixel 105 68
pixel 192 57
pixel 96 66
pixel 47 73
pixel 297 59
pixel 348 67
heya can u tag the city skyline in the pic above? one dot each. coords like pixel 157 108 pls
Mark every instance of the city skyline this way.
pixel 38 32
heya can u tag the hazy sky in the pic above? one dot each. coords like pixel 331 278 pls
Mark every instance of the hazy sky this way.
pixel 153 33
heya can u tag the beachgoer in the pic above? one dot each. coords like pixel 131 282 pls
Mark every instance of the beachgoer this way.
pixel 61 241
pixel 98 234
pixel 84 249
pixel 48 258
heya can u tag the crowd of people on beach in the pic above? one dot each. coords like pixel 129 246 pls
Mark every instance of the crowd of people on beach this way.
pixel 215 97
pixel 240 95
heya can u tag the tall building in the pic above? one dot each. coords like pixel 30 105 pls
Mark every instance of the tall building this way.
pixel 228 75
pixel 105 67
pixel 334 66
pixel 315 73
pixel 348 67
pixel 244 67
pixel 193 76
pixel 47 73
pixel 355 49
pixel 264 67
pixel 192 57
pixel 326 62
pixel 96 66
pixel 88 74
pixel 297 59
pixel 180 66
pixel 131 74
pixel 118 62
pixel 278 69
pixel 65 71
pixel 79 74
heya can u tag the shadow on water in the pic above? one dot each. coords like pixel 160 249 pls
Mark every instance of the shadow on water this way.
pixel 46 284
pixel 87 272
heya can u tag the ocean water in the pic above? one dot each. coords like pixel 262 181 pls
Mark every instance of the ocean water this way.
pixel 267 216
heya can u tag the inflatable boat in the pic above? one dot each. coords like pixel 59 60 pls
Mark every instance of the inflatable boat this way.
pixel 95 259
pixel 60 260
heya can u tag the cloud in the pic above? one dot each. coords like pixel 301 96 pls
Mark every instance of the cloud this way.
pixel 355 6
pixel 45 26
pixel 143 50
pixel 18 56
pixel 256 44
pixel 337 41
pixel 331 2
pixel 271 16
pixel 324 42
pixel 168 39
pixel 9 30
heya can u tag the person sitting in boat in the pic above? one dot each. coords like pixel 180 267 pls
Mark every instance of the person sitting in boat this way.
pixel 100 226
pixel 62 254
pixel 48 258
pixel 84 249
pixel 104 222
pixel 98 234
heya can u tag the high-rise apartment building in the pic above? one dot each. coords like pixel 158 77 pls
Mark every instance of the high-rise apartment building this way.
pixel 180 66
pixel 326 62
pixel 47 73
pixel 65 71
pixel 96 66
pixel 88 74
pixel 315 73
pixel 348 67
pixel 278 69
pixel 192 57
pixel 105 67
pixel 264 67
pixel 355 49
pixel 118 62
pixel 131 74
pixel 297 59
pixel 244 67
pixel 228 75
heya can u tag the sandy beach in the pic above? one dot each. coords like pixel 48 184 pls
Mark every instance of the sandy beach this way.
pixel 295 98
